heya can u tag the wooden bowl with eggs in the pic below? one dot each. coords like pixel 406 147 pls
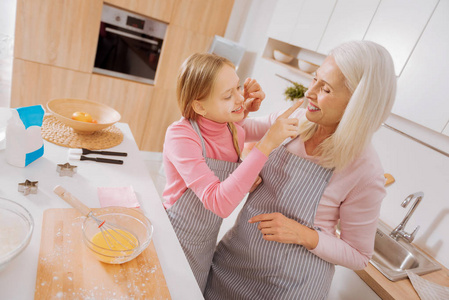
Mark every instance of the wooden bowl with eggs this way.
pixel 83 116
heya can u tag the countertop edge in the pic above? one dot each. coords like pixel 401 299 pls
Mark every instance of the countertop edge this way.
pixel 402 289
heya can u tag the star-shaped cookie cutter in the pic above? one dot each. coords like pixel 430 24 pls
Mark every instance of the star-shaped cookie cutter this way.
pixel 66 169
pixel 28 187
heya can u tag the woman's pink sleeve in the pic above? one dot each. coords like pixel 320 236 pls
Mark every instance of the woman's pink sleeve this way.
pixel 359 215
pixel 183 149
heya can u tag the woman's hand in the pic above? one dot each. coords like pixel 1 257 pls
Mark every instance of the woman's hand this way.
pixel 281 129
pixel 255 184
pixel 253 94
pixel 277 227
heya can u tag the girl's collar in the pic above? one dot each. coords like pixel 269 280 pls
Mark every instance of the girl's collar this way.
pixel 209 126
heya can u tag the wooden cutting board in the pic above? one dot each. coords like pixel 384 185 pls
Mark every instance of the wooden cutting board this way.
pixel 67 269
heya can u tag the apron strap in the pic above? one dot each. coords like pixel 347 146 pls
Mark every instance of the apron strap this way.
pixel 197 130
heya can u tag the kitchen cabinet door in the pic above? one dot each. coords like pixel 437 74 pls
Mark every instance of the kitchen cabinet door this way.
pixel 58 33
pixel 446 129
pixel 312 21
pixel 131 99
pixel 34 83
pixel 398 24
pixel 162 114
pixel 202 16
pixel 421 95
pixel 160 10
pixel 349 21
pixel 284 19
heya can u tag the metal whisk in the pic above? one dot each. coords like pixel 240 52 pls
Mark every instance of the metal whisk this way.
pixel 106 228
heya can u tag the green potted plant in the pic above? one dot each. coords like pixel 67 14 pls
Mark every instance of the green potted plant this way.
pixel 295 92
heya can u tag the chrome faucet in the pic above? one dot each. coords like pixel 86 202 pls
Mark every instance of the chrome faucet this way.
pixel 399 231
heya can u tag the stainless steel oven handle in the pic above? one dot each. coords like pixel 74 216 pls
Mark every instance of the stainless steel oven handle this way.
pixel 131 36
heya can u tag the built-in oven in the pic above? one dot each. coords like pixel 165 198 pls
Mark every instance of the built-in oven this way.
pixel 129 45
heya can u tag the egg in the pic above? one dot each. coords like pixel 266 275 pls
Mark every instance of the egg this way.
pixel 82 116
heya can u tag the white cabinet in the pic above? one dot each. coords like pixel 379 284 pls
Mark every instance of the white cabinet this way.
pixel 349 21
pixel 415 32
pixel 284 19
pixel 446 129
pixel 422 87
pixel 312 21
pixel 398 24
pixel 346 285
pixel 301 22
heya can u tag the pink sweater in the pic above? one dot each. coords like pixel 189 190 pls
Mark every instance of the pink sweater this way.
pixel 185 166
pixel 353 196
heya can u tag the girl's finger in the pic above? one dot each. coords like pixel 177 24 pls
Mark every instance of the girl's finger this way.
pixel 291 109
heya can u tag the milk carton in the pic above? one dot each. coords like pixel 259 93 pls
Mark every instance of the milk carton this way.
pixel 24 142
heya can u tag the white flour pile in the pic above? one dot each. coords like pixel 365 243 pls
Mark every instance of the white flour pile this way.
pixel 12 232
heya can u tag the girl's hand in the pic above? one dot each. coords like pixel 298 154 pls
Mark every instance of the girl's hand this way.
pixel 281 129
pixel 253 94
pixel 277 227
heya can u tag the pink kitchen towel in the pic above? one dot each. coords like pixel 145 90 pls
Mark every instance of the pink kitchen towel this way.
pixel 117 196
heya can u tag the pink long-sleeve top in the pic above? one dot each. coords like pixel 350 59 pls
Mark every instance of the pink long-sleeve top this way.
pixel 185 166
pixel 353 196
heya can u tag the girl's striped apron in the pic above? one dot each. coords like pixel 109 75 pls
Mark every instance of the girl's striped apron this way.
pixel 245 266
pixel 196 227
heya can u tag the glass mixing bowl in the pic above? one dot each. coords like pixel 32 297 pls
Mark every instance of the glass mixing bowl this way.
pixel 130 226
pixel 16 229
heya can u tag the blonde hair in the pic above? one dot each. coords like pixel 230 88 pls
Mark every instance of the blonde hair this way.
pixel 370 76
pixel 196 80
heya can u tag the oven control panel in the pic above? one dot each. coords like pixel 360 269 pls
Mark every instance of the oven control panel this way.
pixel 131 21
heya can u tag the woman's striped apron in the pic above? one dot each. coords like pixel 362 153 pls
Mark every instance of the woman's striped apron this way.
pixel 196 227
pixel 245 266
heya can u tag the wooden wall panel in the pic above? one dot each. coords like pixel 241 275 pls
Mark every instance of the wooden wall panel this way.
pixel 157 9
pixel 203 16
pixel 61 33
pixel 131 99
pixel 163 111
pixel 34 83
pixel 179 44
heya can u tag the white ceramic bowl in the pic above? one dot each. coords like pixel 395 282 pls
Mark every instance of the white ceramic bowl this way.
pixel 307 66
pixel 63 109
pixel 131 221
pixel 282 57
pixel 16 229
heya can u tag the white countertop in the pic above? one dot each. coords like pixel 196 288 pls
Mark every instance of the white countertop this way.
pixel 17 280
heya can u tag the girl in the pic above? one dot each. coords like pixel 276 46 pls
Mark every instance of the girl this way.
pixel 205 178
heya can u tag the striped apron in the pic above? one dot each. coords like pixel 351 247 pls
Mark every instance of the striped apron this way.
pixel 197 227
pixel 245 266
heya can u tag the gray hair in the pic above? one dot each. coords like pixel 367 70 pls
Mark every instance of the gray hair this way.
pixel 370 76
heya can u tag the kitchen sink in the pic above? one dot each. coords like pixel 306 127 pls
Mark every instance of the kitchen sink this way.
pixel 392 258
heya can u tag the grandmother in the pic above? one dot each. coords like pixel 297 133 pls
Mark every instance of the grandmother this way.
pixel 284 243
